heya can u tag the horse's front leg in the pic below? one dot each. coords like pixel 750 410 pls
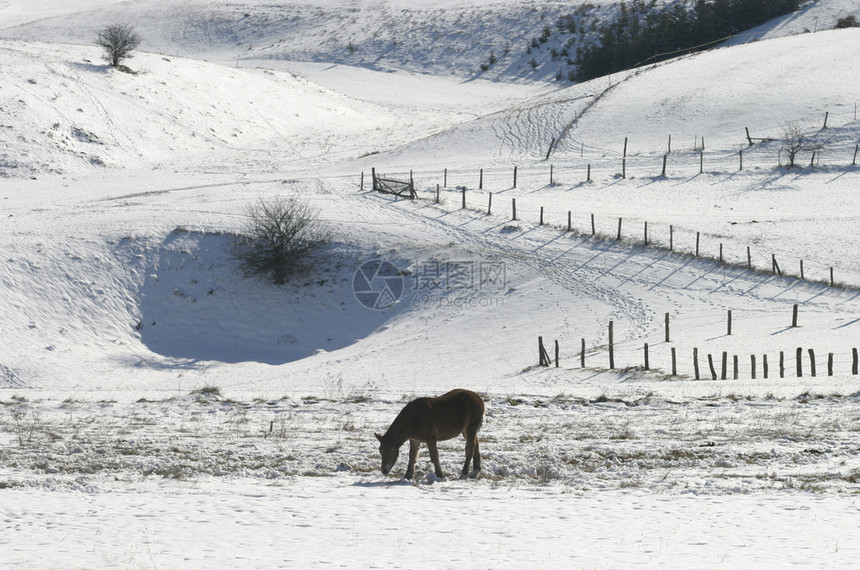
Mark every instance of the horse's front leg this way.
pixel 434 456
pixel 413 456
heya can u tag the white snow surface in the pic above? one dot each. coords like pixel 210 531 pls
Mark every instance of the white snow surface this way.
pixel 158 408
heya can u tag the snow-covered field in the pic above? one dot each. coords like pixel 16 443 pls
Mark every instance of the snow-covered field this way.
pixel 159 409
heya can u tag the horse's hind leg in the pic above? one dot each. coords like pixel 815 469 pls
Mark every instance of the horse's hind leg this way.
pixel 473 453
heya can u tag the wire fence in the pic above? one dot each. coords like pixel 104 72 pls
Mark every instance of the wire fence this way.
pixel 684 361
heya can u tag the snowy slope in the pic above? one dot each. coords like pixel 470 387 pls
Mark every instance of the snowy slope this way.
pixel 439 38
pixel 64 111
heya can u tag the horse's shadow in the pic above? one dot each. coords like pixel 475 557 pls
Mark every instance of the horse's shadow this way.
pixel 377 484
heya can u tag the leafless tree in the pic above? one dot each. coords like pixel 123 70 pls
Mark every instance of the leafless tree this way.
pixel 793 142
pixel 279 238
pixel 118 41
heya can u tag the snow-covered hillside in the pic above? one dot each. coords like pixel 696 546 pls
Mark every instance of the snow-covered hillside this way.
pixel 64 110
pixel 160 409
pixel 438 38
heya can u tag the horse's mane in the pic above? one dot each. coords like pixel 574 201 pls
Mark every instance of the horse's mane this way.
pixel 400 423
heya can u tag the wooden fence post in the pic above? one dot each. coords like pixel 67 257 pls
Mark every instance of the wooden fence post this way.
pixel 752 365
pixel 481 180
pixel 702 158
pixel 619 228
pixel 490 204
pixel 826 114
pixel 556 354
pixel 588 177
pixel 362 181
pixel 647 363
pixel 667 327
pixel 781 364
pixel 696 363
pixel 515 177
pixel 830 364
pixel 802 276
pixel 663 173
pixel 725 363
pixel 541 215
pixel 856 148
pixel 569 226
pixel 775 265
pixel 624 168
pixel 445 178
pixel 764 366
pixel 514 208
pixel 697 243
pixel 812 362
pixel 729 324
pixel 464 198
pixel 832 282
pixel 854 363
pixel 437 193
pixel 799 362
pixel 593 228
pixel 582 354
pixel 794 316
pixel 543 357
pixel 625 147
pixel 550 176
pixel 735 371
pixel 741 154
pixel 721 253
pixel 674 362
pixel 646 233
pixel 711 366
pixel 611 346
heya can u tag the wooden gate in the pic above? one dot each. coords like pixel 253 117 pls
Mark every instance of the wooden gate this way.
pixel 397 187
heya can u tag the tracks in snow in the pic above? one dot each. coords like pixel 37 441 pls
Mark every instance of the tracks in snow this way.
pixel 629 284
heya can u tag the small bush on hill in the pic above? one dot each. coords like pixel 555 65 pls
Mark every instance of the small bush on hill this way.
pixel 279 238
pixel 847 22
pixel 118 41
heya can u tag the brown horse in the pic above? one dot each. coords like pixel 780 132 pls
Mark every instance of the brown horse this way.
pixel 428 420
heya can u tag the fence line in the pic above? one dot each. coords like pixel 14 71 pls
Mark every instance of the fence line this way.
pixel 650 237
pixel 801 361
pixel 805 361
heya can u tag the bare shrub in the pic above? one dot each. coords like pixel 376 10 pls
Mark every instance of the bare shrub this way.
pixel 279 238
pixel 118 41
pixel 849 21
pixel 794 142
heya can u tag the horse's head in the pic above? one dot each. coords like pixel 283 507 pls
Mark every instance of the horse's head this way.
pixel 389 452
